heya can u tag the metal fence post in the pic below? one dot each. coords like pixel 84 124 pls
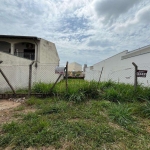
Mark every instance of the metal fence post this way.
pixel 55 83
pixel 66 76
pixel 7 81
pixel 135 75
pixel 100 75
pixel 30 78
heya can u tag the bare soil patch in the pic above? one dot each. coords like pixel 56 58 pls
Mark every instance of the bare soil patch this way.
pixel 6 104
pixel 6 110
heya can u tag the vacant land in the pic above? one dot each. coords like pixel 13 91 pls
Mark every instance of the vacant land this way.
pixel 5 104
pixel 79 121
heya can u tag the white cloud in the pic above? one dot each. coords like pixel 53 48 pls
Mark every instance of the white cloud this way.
pixel 109 10
pixel 140 18
pixel 85 31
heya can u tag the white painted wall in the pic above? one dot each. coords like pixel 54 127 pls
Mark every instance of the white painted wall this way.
pixel 48 52
pixel 17 68
pixel 18 75
pixel 74 67
pixel 17 72
pixel 9 59
pixel 122 70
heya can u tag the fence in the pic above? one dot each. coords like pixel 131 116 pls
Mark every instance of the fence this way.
pixel 19 76
pixel 120 75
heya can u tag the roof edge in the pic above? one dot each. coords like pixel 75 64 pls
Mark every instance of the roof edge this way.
pixel 19 36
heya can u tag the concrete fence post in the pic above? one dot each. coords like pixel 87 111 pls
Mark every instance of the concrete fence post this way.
pixel 30 78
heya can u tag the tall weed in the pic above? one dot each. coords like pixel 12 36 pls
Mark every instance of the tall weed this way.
pixel 81 89
pixel 145 110
pixel 43 88
pixel 121 114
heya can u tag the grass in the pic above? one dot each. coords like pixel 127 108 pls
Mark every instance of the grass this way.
pixel 86 125
pixel 80 90
pixel 90 116
pixel 20 108
pixel 121 113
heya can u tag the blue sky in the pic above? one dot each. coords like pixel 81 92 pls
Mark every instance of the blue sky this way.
pixel 84 31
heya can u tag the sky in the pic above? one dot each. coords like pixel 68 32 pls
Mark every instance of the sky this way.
pixel 84 31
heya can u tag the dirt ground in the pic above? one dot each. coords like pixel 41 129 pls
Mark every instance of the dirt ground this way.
pixel 6 110
pixel 6 104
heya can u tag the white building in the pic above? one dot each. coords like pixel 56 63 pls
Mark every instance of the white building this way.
pixel 74 67
pixel 17 52
pixel 119 67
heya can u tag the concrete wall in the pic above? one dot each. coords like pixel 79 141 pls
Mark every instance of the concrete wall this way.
pixel 45 51
pixel 18 75
pixel 48 52
pixel 17 69
pixel 74 67
pixel 9 59
pixel 119 68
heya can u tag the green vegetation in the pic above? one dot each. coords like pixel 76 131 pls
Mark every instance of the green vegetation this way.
pixel 121 113
pixel 84 90
pixel 89 116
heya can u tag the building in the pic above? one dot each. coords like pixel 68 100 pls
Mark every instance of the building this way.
pixel 119 68
pixel 18 52
pixel 28 47
pixel 74 67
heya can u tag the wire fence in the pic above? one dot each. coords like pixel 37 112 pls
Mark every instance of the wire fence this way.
pixel 121 75
pixel 18 76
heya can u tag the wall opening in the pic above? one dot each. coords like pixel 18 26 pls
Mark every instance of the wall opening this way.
pixel 5 47
pixel 25 50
